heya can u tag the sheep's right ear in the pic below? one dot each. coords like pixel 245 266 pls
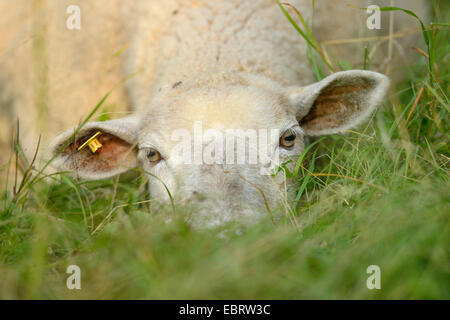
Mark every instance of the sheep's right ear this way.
pixel 99 149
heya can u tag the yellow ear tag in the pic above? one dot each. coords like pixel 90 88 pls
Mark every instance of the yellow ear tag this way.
pixel 92 142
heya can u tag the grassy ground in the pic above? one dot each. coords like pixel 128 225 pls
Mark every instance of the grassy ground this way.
pixel 379 196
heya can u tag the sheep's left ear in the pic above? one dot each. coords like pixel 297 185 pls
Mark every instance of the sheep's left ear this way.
pixel 339 101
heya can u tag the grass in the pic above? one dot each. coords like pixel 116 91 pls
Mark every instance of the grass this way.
pixel 378 196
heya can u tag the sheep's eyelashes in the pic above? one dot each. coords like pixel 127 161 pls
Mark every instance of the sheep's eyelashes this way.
pixel 153 156
pixel 287 140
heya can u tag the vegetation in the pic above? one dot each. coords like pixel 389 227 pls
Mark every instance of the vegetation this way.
pixel 379 196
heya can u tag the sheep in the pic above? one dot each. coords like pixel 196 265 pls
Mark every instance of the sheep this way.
pixel 227 65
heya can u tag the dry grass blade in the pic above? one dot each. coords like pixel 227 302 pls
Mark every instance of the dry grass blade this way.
pixel 266 203
pixel 320 174
pixel 414 105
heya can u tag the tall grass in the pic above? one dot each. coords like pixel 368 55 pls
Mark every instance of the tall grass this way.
pixel 379 195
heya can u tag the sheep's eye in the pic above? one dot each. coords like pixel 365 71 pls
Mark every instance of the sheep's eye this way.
pixel 287 140
pixel 153 156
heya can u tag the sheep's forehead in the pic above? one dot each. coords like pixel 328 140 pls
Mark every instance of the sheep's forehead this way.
pixel 235 107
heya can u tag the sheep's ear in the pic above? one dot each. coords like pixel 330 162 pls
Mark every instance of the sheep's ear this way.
pixel 339 101
pixel 116 153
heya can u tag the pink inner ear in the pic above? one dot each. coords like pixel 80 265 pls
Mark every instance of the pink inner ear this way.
pixel 336 105
pixel 114 152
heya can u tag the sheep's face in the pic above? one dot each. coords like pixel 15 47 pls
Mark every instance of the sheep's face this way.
pixel 218 143
pixel 214 145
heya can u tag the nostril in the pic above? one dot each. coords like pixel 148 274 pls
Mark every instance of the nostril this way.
pixel 198 196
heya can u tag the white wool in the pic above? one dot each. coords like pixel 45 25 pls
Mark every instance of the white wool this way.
pixel 212 37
